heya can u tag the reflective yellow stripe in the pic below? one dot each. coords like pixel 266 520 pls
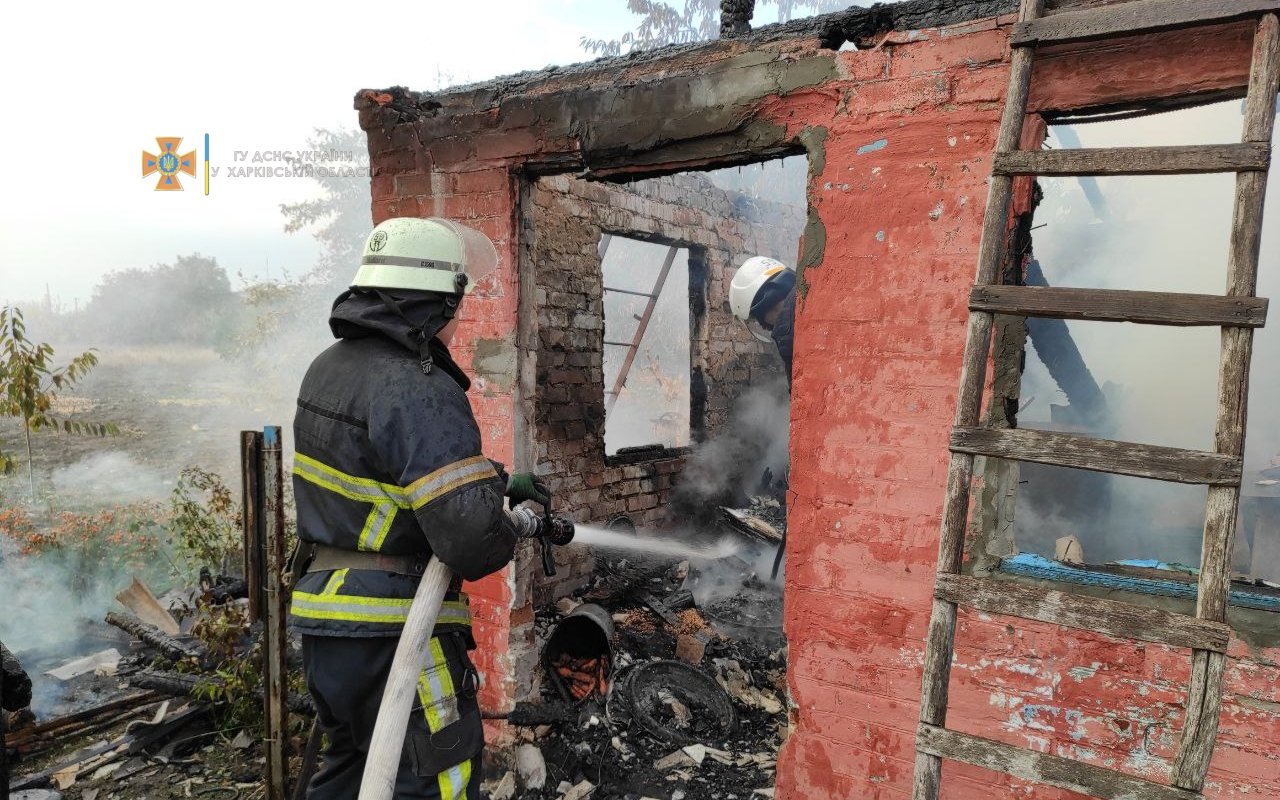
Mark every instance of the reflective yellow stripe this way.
pixel 334 583
pixel 454 780
pixel 354 608
pixel 431 689
pixel 349 486
pixel 448 478
pixel 386 498
pixel 376 526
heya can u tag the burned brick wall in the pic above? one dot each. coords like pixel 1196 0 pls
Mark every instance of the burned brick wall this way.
pixel 563 220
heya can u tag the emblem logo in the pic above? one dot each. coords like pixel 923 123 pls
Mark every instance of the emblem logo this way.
pixel 169 164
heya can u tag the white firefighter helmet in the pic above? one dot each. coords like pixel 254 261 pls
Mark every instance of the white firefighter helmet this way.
pixel 750 278
pixel 426 255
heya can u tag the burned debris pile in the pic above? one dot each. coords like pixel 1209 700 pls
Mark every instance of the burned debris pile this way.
pixel 662 679
pixel 148 715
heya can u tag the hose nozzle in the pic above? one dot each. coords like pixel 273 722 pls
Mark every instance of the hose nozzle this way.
pixel 560 530
pixel 549 528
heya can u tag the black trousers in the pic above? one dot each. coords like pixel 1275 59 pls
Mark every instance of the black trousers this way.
pixel 441 756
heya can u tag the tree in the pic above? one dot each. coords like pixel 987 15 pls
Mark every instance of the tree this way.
pixel 188 301
pixel 340 218
pixel 665 23
pixel 29 385
pixel 288 317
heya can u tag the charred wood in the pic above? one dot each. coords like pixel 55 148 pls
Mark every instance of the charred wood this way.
pixel 530 715
pixel 1062 358
pixel 171 646
pixel 136 741
pixel 735 17
pixel 182 684
pixel 37 738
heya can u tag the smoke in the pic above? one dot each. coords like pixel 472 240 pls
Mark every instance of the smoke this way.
pixel 727 469
pixel 110 478
pixel 50 599
pixel 1166 233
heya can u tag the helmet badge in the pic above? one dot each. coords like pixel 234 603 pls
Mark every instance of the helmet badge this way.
pixel 378 241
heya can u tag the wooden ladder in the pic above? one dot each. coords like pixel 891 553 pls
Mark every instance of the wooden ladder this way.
pixel 1237 313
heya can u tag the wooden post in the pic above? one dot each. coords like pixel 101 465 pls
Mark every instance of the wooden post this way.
pixel 940 639
pixel 274 641
pixel 251 523
pixel 1204 696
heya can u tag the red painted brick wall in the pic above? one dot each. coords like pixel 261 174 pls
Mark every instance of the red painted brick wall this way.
pixel 909 129
pixel 878 350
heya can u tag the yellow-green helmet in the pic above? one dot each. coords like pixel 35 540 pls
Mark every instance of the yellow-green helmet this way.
pixel 425 255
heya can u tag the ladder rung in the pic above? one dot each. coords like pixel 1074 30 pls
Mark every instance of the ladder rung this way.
pixel 1030 765
pixel 628 291
pixel 1110 617
pixel 1150 308
pixel 1099 455
pixel 1179 160
pixel 1139 16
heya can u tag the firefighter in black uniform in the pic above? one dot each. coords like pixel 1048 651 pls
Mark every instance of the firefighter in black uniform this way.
pixel 763 295
pixel 389 471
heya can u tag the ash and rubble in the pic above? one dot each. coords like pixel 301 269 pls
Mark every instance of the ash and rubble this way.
pixel 126 709
pixel 689 700
pixel 694 705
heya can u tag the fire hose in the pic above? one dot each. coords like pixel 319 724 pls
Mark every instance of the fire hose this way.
pixel 383 761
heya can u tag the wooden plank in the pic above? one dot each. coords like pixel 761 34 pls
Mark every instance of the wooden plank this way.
pixel 751 525
pixel 1174 160
pixel 251 519
pixel 1200 731
pixel 1099 455
pixel 1147 308
pixel 1139 16
pixel 939 644
pixel 1108 617
pixel 1064 773
pixel 1200 727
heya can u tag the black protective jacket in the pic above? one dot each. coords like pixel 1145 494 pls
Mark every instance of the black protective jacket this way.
pixel 783 331
pixel 388 460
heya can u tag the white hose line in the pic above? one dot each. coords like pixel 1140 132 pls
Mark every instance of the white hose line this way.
pixel 383 761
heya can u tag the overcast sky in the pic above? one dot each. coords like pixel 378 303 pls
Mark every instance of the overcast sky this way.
pixel 89 86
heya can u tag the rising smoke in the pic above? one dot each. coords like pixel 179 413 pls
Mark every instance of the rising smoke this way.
pixel 1153 234
pixel 727 469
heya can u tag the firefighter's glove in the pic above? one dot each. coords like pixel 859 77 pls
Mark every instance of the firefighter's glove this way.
pixel 524 486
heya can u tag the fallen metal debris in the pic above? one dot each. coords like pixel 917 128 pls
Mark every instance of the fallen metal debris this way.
pixel 712 718
pixel 578 655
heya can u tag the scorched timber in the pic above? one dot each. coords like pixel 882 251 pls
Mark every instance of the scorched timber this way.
pixel 170 646
pixel 182 684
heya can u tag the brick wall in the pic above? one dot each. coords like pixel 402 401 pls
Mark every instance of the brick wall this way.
pixel 900 135
pixel 562 346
